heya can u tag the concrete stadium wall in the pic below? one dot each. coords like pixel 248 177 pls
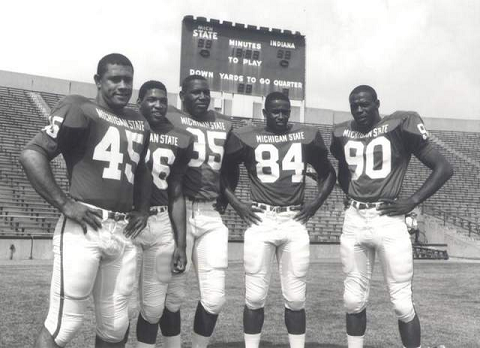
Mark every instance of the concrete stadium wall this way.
pixel 311 115
pixel 42 248
pixel 458 245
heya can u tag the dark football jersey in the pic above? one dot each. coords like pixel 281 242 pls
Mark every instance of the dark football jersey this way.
pixel 202 179
pixel 101 149
pixel 276 163
pixel 168 154
pixel 377 160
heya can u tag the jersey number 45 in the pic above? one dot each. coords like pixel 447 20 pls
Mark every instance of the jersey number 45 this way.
pixel 108 150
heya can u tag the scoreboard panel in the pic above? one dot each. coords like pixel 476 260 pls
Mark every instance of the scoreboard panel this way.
pixel 243 59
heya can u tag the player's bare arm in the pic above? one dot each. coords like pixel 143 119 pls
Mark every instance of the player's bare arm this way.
pixel 38 170
pixel 233 177
pixel 343 174
pixel 442 170
pixel 142 192
pixel 177 211
pixel 229 177
pixel 326 178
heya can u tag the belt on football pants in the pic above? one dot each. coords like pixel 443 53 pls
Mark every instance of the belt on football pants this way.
pixel 276 209
pixel 158 209
pixel 364 205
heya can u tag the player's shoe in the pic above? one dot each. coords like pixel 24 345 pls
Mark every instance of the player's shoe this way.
pixel 439 346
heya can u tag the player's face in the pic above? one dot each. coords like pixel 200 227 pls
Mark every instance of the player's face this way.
pixel 196 97
pixel 154 106
pixel 115 85
pixel 364 109
pixel 277 113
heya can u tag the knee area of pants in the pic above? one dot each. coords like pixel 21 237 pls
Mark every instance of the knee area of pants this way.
pixel 115 334
pixel 173 303
pixel 71 322
pixel 152 314
pixel 213 305
pixel 67 331
pixel 255 304
pixel 404 311
pixel 353 304
pixel 295 305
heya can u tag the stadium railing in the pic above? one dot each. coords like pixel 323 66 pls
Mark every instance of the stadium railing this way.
pixel 472 227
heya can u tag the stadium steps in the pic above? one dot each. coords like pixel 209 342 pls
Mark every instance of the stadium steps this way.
pixel 455 152
pixel 40 103
pixel 466 227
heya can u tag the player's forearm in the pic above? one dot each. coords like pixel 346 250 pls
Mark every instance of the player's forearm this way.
pixel 325 187
pixel 178 212
pixel 234 201
pixel 142 189
pixel 437 178
pixel 39 173
pixel 343 176
pixel 230 174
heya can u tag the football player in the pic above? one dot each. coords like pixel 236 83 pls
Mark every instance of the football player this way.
pixel 207 236
pixel 162 292
pixel 276 157
pixel 373 154
pixel 104 146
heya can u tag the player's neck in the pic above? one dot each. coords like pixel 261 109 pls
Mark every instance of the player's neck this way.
pixel 367 129
pixel 278 130
pixel 200 117
pixel 161 124
pixel 103 103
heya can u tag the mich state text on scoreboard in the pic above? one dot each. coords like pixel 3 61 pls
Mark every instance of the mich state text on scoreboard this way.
pixel 243 59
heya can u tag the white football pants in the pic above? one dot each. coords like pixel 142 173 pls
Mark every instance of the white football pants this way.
pixel 366 232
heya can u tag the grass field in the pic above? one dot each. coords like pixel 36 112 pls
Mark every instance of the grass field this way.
pixel 446 296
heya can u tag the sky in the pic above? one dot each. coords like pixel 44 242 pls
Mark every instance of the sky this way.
pixel 421 55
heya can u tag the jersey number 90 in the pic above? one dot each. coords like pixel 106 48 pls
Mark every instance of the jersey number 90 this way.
pixel 362 158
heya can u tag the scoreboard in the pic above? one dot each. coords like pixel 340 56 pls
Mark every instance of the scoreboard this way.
pixel 241 59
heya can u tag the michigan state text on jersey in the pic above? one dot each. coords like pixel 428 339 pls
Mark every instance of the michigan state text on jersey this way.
pixel 373 156
pixel 207 236
pixel 162 243
pixel 104 146
pixel 276 157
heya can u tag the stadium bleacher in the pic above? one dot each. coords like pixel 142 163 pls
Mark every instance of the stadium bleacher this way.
pixel 23 211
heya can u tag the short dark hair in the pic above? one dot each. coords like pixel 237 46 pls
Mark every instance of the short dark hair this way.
pixel 189 78
pixel 364 88
pixel 152 84
pixel 275 96
pixel 112 58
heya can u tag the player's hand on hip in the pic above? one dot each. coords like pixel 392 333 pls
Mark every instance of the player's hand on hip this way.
pixel 392 207
pixel 248 213
pixel 137 221
pixel 179 260
pixel 83 215
pixel 306 212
